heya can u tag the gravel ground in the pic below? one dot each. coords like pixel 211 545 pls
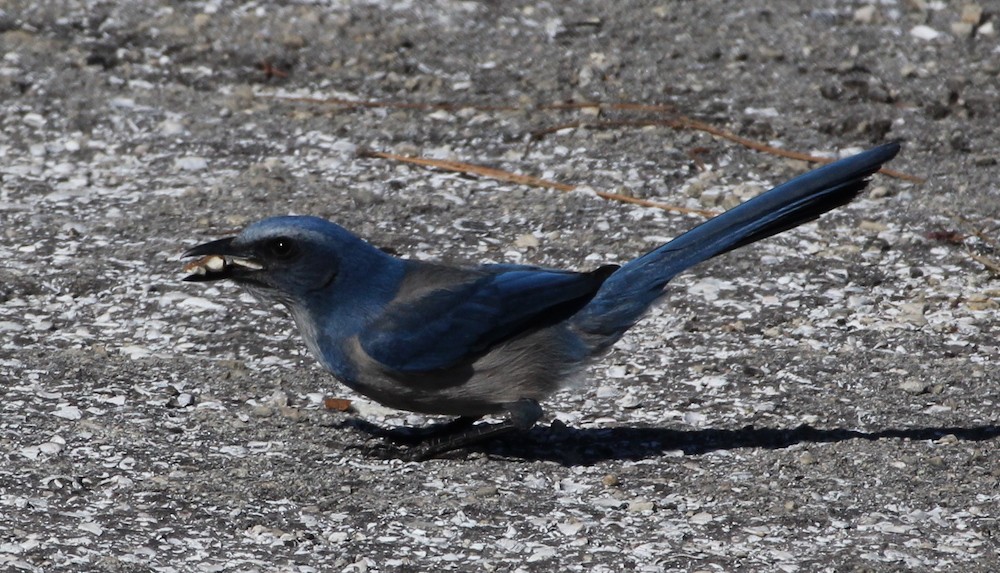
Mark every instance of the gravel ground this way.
pixel 823 401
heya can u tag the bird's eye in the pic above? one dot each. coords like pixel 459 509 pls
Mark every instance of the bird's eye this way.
pixel 281 248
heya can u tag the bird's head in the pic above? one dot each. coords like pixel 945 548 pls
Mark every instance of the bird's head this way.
pixel 284 258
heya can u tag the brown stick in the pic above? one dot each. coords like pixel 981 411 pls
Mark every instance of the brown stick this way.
pixel 501 175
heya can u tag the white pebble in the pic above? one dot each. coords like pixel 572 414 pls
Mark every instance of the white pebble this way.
pixel 235 451
pixel 49 448
pixel 91 527
pixel 570 528
pixel 607 392
pixel 701 518
pixel 31 452
pixel 114 400
pixel 922 32
pixel 617 371
pixel 170 128
pixel 191 163
pixel 123 102
pixel 33 120
pixel 526 241
pixel 134 352
pixel 609 502
pixel 865 14
pixel 694 419
pixel 541 554
pixel 68 412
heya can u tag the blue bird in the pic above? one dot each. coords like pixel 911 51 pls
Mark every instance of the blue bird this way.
pixel 486 339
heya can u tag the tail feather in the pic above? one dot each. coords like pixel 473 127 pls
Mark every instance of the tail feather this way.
pixel 627 293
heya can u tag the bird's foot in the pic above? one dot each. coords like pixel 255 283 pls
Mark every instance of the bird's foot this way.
pixel 522 415
pixel 419 444
pixel 472 435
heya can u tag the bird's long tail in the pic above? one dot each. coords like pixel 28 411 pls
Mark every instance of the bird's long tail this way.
pixel 627 293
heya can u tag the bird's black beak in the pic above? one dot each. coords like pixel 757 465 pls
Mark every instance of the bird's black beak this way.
pixel 219 260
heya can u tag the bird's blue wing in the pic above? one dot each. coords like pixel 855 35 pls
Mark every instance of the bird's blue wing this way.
pixel 457 322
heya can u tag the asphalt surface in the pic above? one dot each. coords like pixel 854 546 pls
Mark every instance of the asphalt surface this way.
pixel 823 401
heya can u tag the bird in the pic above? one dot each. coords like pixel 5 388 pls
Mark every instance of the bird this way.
pixel 487 339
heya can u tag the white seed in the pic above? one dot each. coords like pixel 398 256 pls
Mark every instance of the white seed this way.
pixel 214 264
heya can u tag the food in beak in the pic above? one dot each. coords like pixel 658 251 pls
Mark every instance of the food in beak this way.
pixel 218 266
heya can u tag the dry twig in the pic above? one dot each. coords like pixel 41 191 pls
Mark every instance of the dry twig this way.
pixel 501 175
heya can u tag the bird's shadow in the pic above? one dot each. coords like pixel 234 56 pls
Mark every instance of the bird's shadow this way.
pixel 587 446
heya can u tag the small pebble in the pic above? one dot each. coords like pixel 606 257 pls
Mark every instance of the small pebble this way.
pixel 570 528
pixel 914 387
pixel 526 241
pixel 865 14
pixel 873 226
pixel 879 192
pixel 608 502
pixel 640 505
pixel 262 411
pixel 33 120
pixel 922 32
pixel 961 29
pixel 912 313
pixel 290 412
pixel 486 491
pixel 68 412
pixel 181 400
pixel 191 163
pixel 277 399
pixel 701 518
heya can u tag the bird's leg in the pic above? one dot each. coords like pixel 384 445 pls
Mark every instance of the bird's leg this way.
pixel 521 415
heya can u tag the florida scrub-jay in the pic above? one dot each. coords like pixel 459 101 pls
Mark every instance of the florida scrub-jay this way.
pixel 498 338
